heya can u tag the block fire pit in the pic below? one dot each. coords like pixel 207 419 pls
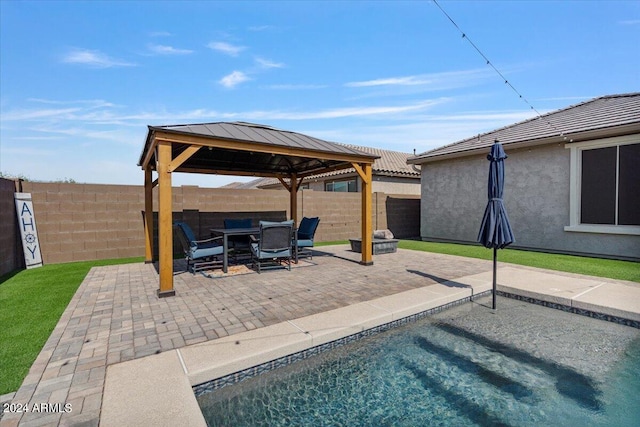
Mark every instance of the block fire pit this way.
pixel 380 246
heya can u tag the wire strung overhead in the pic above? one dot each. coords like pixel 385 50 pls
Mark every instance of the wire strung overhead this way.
pixel 489 63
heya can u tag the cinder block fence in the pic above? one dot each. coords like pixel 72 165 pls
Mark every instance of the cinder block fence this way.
pixel 80 222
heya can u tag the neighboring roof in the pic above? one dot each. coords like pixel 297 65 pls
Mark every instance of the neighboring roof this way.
pixel 388 163
pixel 606 116
pixel 234 185
pixel 247 148
pixel 255 183
pixel 393 163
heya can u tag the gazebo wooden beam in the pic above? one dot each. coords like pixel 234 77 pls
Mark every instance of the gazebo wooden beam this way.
pixel 292 187
pixel 255 173
pixel 283 182
pixel 183 157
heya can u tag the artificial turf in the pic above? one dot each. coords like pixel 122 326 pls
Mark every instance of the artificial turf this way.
pixel 614 269
pixel 31 303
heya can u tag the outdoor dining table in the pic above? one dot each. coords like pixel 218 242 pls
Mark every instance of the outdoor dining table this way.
pixel 225 233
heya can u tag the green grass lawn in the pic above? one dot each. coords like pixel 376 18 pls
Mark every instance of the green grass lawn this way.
pixel 31 303
pixel 614 269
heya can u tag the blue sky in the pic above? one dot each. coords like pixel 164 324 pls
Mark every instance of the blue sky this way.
pixel 80 81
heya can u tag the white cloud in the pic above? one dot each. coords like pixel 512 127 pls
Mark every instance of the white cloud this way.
pixel 262 28
pixel 168 50
pixel 349 112
pixel 392 81
pixel 92 103
pixel 234 79
pixel 295 87
pixel 27 114
pixel 93 59
pixel 265 63
pixel 439 81
pixel 226 48
pixel 86 113
pixel 114 134
pixel 421 132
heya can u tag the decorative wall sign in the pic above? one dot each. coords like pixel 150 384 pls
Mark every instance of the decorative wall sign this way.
pixel 28 231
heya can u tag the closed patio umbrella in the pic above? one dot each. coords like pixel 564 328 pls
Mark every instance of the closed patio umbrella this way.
pixel 495 230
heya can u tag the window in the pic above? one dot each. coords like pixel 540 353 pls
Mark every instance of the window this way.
pixel 341 186
pixel 598 189
pixel 629 184
pixel 605 186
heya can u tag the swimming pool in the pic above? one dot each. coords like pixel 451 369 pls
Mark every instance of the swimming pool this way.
pixel 523 365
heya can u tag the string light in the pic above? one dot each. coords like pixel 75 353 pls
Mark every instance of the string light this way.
pixel 489 63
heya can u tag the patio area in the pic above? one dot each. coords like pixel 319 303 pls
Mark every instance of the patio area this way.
pixel 116 315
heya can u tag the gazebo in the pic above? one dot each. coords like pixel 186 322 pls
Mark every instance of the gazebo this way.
pixel 239 148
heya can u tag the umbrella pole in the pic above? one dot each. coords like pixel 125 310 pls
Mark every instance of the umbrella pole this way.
pixel 495 262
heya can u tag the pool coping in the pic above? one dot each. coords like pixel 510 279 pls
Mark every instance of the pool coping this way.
pixel 159 389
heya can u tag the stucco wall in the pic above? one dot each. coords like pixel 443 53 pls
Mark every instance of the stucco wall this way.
pixel 454 194
pixel 393 185
pixel 382 184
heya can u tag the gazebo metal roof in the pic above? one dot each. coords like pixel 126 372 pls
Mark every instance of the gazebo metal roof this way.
pixel 241 148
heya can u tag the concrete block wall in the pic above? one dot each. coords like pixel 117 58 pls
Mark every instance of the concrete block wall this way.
pixel 79 222
pixel 339 213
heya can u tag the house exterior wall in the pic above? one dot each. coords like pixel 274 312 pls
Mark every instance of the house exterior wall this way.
pixel 392 185
pixel 383 184
pixel 536 197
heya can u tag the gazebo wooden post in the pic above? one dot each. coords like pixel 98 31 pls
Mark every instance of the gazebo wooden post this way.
pixel 148 215
pixel 165 221
pixel 293 198
pixel 364 170
pixel 367 218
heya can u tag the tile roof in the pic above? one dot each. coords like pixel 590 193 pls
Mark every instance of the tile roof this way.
pixel 392 163
pixel 616 114
pixel 389 163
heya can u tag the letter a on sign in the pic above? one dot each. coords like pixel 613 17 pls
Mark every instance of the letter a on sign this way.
pixel 28 231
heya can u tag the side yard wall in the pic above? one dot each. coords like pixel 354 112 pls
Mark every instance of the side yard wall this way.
pixel 454 195
pixel 10 251
pixel 78 222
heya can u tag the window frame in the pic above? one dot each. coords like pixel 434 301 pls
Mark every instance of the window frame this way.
pixel 347 180
pixel 575 186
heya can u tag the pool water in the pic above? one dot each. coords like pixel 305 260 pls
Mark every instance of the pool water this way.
pixel 522 365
